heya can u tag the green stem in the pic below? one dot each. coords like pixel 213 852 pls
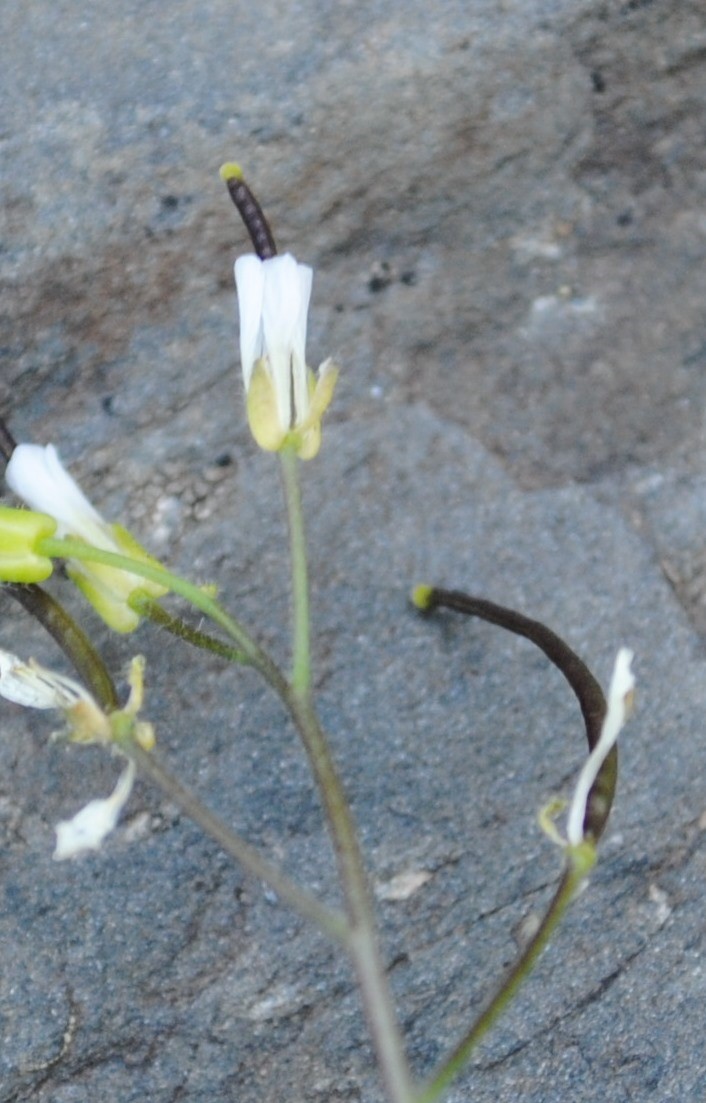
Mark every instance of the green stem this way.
pixel 580 860
pixel 89 664
pixel 364 949
pixel 301 658
pixel 330 922
pixel 76 549
pixel 146 606
pixel 71 639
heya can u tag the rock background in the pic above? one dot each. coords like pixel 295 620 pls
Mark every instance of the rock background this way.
pixel 504 203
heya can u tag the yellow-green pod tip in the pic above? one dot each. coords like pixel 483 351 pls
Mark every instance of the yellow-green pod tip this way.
pixel 230 171
pixel 422 597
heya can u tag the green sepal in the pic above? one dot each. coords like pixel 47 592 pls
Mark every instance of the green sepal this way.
pixel 108 589
pixel 20 532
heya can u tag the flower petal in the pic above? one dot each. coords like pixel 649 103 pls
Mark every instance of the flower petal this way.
pixel 35 687
pixel 36 475
pixel 622 685
pixel 89 827
pixel 249 282
pixel 285 305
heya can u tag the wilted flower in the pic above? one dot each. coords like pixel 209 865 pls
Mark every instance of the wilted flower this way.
pixel 620 697
pixel 35 687
pixel 37 476
pixel 285 400
pixel 89 827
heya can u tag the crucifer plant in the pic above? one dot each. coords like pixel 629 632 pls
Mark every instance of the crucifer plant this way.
pixel 285 402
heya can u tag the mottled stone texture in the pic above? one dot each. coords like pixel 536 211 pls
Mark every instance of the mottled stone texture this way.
pixel 504 203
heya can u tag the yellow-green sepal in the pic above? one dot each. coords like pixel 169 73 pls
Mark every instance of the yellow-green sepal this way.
pixel 21 530
pixel 263 414
pixel 581 857
pixel 108 589
pixel 307 437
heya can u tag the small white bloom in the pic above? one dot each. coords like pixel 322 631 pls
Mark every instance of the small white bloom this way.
pixel 285 400
pixel 622 684
pixel 89 827
pixel 37 476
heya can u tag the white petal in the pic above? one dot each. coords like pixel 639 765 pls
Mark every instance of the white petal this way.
pixel 89 827
pixel 249 282
pixel 622 684
pixel 36 475
pixel 285 307
pixel 299 372
pixel 34 686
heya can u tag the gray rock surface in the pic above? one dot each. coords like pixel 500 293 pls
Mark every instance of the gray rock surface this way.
pixel 504 203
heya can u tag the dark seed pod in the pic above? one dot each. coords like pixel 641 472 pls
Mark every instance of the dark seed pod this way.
pixel 250 211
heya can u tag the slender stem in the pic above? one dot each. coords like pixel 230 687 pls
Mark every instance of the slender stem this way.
pixel 89 664
pixel 301 659
pixel 76 549
pixel 580 860
pixel 71 639
pixel 364 948
pixel 330 922
pixel 148 607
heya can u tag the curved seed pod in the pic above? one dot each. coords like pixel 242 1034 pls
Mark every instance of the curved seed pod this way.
pixel 586 688
pixel 249 210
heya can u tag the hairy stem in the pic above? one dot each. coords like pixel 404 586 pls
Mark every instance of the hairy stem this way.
pixel 146 606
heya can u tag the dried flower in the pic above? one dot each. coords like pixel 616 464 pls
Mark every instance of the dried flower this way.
pixel 89 827
pixel 620 698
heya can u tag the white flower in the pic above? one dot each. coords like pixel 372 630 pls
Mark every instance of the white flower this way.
pixel 37 476
pixel 620 695
pixel 89 827
pixel 285 400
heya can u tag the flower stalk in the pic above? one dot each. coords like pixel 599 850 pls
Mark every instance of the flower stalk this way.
pixel 363 946
pixel 579 863
pixel 195 595
pixel 89 664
